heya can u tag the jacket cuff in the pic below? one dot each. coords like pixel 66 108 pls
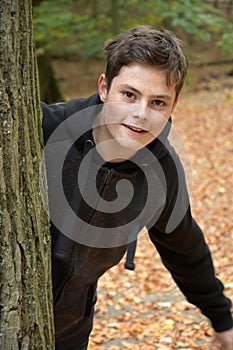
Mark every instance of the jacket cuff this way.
pixel 224 323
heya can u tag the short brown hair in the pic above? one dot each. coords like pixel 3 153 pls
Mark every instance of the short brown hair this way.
pixel 159 47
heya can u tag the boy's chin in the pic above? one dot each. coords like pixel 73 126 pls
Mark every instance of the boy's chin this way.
pixel 128 148
pixel 122 155
pixel 128 152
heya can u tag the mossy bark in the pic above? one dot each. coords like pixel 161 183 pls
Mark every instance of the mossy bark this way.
pixel 26 313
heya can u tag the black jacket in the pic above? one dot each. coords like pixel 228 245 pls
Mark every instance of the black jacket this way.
pixel 82 253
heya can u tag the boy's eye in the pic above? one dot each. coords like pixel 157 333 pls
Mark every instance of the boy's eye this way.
pixel 159 103
pixel 128 94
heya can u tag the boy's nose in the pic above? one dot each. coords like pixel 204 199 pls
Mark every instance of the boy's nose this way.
pixel 141 110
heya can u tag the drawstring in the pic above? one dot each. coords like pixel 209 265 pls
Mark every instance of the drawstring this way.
pixel 131 248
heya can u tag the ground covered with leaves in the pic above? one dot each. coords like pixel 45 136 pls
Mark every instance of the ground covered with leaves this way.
pixel 144 309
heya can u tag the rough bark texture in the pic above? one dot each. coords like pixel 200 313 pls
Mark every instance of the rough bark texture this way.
pixel 25 295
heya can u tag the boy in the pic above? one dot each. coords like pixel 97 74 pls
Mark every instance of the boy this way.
pixel 111 171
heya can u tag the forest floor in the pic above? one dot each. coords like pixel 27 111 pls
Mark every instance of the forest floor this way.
pixel 144 309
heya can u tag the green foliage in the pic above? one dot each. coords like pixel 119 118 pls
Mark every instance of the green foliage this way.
pixel 62 29
pixel 194 17
pixel 81 27
pixel 226 41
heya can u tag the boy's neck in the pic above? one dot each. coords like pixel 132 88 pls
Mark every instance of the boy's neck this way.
pixel 108 148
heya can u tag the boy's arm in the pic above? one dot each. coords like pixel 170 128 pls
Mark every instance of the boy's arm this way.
pixel 184 251
pixel 186 255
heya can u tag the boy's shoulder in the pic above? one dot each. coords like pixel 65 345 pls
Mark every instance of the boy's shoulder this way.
pixel 77 104
pixel 70 107
pixel 55 114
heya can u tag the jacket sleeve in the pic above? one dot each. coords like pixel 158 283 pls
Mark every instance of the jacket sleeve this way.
pixel 186 255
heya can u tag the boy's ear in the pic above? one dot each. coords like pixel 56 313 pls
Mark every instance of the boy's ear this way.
pixel 102 87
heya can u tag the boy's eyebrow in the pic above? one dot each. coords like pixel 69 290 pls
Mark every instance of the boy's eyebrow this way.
pixel 127 86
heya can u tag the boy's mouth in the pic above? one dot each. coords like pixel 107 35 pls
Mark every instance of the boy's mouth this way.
pixel 135 128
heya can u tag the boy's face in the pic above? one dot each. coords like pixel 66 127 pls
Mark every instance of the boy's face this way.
pixel 136 109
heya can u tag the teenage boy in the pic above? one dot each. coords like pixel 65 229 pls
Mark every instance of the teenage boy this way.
pixel 110 167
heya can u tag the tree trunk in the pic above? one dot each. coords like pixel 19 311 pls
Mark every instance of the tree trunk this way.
pixel 49 88
pixel 26 313
pixel 115 17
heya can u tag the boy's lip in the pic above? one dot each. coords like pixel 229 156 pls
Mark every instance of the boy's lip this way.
pixel 134 128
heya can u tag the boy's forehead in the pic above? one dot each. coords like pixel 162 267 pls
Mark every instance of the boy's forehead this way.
pixel 140 73
pixel 138 67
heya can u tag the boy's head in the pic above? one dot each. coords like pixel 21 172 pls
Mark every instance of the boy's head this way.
pixel 160 48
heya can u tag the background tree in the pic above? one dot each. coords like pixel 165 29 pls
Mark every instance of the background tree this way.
pixel 26 299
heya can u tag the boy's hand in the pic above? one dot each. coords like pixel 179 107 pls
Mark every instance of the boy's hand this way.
pixel 223 341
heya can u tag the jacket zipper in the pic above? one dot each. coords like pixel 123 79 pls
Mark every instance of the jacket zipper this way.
pixel 107 176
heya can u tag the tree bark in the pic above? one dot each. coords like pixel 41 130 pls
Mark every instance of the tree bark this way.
pixel 26 313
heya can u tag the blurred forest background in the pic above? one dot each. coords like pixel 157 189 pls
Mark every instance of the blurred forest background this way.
pixel 70 35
